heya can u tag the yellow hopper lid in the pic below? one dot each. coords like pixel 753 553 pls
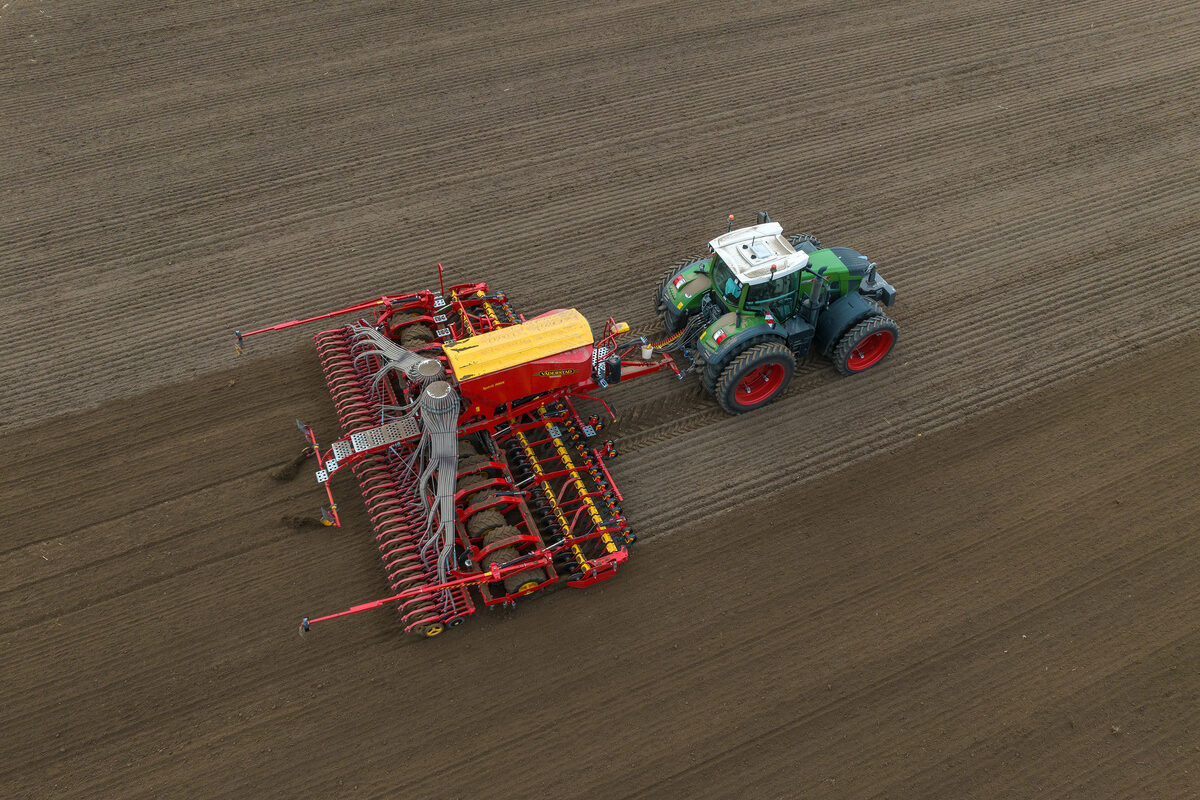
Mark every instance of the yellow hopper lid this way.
pixel 554 332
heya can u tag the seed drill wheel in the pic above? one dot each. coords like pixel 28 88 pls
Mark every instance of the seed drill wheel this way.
pixel 865 345
pixel 470 482
pixel 518 582
pixel 428 630
pixel 472 462
pixel 416 336
pixel 755 378
pixel 484 521
pixel 500 534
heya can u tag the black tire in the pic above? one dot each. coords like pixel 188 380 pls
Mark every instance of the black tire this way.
pixel 513 583
pixel 660 289
pixel 471 482
pixel 428 630
pixel 797 239
pixel 885 332
pixel 473 462
pixel 713 369
pixel 484 521
pixel 768 367
pixel 414 337
pixel 402 318
pixel 672 322
pixel 500 534
pixel 518 580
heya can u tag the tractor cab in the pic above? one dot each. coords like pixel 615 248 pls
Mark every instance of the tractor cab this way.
pixel 756 268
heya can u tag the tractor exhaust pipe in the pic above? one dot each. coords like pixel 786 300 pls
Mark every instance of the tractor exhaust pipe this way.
pixel 815 298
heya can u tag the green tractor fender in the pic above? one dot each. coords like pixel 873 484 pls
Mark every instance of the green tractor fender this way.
pixel 680 291
pixel 843 314
pixel 717 355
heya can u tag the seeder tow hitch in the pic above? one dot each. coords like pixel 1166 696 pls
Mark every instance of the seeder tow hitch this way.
pixel 460 420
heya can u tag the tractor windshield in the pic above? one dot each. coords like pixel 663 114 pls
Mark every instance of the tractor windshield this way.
pixel 778 295
pixel 726 284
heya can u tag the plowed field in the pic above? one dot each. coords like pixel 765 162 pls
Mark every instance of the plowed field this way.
pixel 972 572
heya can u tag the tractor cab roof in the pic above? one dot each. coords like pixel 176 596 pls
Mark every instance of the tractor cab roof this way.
pixel 751 252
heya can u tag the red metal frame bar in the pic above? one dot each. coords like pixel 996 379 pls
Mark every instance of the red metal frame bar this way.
pixel 540 558
pixel 333 509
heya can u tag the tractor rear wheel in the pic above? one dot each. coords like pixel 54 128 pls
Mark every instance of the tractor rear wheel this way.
pixel 755 378
pixel 865 345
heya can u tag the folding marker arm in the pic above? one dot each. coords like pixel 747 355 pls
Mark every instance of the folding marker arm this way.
pixel 496 573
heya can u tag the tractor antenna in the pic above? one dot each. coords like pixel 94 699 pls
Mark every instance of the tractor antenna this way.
pixel 728 229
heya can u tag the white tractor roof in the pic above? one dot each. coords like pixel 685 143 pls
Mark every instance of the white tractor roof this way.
pixel 751 252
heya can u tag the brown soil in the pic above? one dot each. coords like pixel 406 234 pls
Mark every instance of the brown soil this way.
pixel 970 573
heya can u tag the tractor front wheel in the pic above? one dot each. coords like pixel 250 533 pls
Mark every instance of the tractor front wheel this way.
pixel 670 318
pixel 755 378
pixel 865 345
pixel 799 240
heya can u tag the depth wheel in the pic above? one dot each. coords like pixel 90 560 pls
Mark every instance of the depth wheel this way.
pixel 473 462
pixel 428 630
pixel 484 521
pixel 414 337
pixel 755 378
pixel 518 582
pixel 865 345
pixel 470 482
pixel 500 534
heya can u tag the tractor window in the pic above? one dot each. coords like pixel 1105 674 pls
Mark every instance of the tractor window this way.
pixel 725 282
pixel 779 294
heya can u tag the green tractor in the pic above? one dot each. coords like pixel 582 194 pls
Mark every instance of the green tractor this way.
pixel 759 301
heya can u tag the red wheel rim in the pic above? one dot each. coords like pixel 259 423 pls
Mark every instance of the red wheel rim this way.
pixel 759 384
pixel 868 352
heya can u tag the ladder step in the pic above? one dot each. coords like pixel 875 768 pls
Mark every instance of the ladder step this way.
pixel 382 435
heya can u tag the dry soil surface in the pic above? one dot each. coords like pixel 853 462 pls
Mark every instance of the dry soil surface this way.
pixel 971 572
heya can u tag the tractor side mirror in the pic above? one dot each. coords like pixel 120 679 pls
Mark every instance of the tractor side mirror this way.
pixel 763 217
